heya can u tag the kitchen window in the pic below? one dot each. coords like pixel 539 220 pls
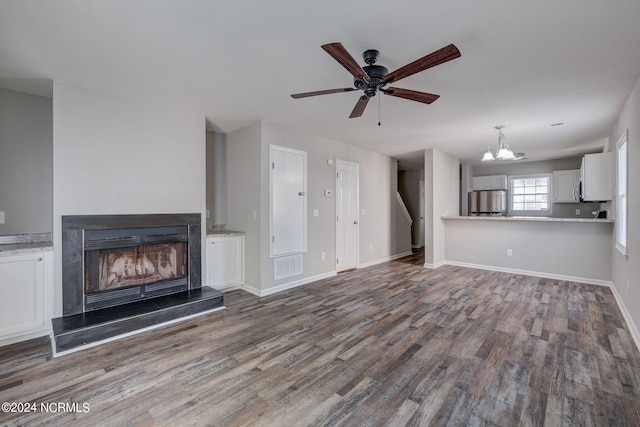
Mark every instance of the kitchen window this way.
pixel 621 195
pixel 530 194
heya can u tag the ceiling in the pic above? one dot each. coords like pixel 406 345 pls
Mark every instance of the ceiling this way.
pixel 524 65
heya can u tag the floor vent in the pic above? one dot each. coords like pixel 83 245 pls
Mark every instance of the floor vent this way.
pixel 287 266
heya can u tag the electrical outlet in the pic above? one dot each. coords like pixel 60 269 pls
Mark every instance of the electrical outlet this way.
pixel 1 217
pixel 208 213
pixel 255 214
pixel 371 247
pixel 323 256
pixel 509 252
pixel 316 212
pixel 577 212
pixel 628 286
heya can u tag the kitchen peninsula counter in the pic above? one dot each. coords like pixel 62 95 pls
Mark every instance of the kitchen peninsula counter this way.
pixel 572 249
pixel 529 218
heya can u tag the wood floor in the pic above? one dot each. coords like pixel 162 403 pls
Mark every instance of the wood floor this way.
pixel 393 345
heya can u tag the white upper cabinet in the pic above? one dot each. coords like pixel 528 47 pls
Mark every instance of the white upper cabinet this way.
pixel 596 174
pixel 565 186
pixel 491 182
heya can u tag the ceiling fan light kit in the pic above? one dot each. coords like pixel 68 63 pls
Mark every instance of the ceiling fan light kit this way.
pixel 373 78
pixel 503 152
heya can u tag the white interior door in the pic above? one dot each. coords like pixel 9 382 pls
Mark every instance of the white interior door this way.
pixel 288 201
pixel 346 215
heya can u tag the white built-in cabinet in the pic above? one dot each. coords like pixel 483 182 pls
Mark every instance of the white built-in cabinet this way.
pixel 26 283
pixel 565 184
pixel 596 174
pixel 225 261
pixel 491 182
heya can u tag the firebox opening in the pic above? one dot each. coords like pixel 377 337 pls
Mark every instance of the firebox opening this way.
pixel 124 265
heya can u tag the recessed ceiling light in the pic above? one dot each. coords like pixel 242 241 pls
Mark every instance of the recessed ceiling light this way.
pixel 552 125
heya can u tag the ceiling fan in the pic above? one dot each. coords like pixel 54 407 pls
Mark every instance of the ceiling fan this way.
pixel 373 78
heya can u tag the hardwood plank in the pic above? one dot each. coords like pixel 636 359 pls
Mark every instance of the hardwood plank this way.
pixel 391 344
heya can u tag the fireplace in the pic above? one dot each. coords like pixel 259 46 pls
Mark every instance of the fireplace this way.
pixel 122 274
pixel 109 260
pixel 127 264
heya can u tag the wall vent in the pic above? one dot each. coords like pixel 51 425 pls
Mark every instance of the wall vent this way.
pixel 287 266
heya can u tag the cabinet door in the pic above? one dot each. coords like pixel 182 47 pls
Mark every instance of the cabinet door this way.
pixel 597 177
pixel 564 185
pixel 21 294
pixel 481 183
pixel 225 261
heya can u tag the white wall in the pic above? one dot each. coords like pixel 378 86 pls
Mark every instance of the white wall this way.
pixel 578 251
pixel 442 194
pixel 626 269
pixel 118 156
pixel 26 150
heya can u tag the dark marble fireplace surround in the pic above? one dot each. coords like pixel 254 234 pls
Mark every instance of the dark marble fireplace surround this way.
pixel 80 327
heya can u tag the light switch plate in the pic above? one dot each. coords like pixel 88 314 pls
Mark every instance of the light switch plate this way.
pixel 316 212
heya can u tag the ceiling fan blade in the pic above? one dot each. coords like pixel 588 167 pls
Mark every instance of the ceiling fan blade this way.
pixel 360 106
pixel 413 95
pixel 340 54
pixel 438 57
pixel 321 92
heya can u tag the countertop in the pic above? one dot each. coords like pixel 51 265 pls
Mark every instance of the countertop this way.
pixel 22 248
pixel 25 243
pixel 224 233
pixel 528 218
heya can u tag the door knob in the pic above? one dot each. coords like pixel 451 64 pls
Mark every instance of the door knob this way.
pixel 301 193
pixel 355 222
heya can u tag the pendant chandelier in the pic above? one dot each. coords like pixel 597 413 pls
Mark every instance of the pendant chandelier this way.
pixel 503 152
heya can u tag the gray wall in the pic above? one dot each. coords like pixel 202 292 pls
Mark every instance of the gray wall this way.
pixel 99 140
pixel 26 162
pixel 409 188
pixel 442 194
pixel 626 269
pixel 216 179
pixel 248 191
pixel 560 210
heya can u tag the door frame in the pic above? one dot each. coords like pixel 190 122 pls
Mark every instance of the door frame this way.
pixel 340 163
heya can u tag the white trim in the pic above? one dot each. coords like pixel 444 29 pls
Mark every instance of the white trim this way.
pixel 385 259
pixel 129 334
pixel 26 337
pixel 416 246
pixel 587 280
pixel 624 140
pixel 627 317
pixel 287 286
pixel 404 208
pixel 433 266
pixel 510 195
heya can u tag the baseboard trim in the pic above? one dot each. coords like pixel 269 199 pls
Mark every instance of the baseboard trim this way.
pixel 586 280
pixel 627 316
pixel 416 246
pixel 385 259
pixel 436 265
pixel 287 286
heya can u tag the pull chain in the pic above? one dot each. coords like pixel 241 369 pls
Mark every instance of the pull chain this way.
pixel 379 102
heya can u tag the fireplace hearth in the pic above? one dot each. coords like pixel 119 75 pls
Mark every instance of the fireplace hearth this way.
pixel 122 273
